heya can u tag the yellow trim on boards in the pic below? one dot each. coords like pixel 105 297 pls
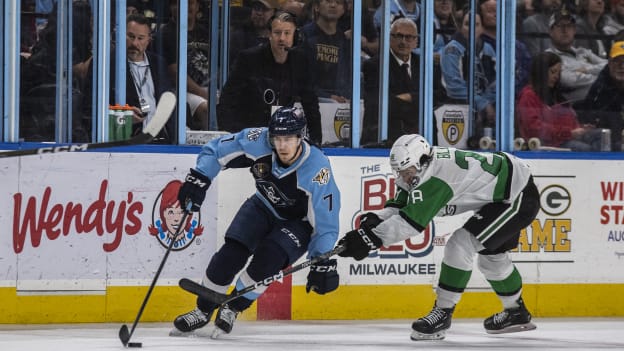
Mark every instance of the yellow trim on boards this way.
pixel 414 301
pixel 118 305
pixel 121 304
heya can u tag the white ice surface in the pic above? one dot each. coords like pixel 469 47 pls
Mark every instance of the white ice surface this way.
pixel 465 334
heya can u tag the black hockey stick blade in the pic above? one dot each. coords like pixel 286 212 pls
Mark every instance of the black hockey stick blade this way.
pixel 124 335
pixel 219 298
pixel 200 290
pixel 165 107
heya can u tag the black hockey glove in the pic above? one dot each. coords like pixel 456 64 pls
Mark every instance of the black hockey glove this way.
pixel 323 277
pixel 359 242
pixel 193 190
pixel 369 220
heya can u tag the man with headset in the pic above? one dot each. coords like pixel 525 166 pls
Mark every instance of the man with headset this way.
pixel 266 76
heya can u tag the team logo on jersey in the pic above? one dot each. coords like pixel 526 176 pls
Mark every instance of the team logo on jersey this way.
pixel 260 170
pixel 273 194
pixel 254 134
pixel 322 177
pixel 166 219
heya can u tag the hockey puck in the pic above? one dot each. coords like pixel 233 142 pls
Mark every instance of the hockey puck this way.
pixel 135 344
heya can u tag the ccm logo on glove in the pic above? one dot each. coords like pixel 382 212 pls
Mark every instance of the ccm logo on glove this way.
pixel 193 190
pixel 323 277
pixel 190 178
pixel 367 239
pixel 323 269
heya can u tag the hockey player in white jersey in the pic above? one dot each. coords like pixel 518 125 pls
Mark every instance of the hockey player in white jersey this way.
pixel 295 209
pixel 437 181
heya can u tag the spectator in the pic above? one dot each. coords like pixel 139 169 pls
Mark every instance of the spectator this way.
pixel 256 31
pixel 603 104
pixel 614 21
pixel 38 78
pixel 295 209
pixel 580 66
pixel 404 76
pixel 329 51
pixel 44 7
pixel 454 64
pixel 267 76
pixel 399 8
pixel 146 77
pixel 543 113
pixel 444 22
pixel 198 61
pixel 590 32
pixel 523 57
pixel 487 9
pixel 370 37
pixel 535 28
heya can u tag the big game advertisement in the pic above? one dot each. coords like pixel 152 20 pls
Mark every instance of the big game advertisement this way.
pixel 576 237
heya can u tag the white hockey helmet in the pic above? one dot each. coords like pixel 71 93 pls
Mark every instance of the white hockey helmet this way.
pixel 409 150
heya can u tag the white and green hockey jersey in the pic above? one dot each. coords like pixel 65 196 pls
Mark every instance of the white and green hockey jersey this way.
pixel 456 181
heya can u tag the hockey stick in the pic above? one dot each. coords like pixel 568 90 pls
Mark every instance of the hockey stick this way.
pixel 165 107
pixel 124 333
pixel 218 298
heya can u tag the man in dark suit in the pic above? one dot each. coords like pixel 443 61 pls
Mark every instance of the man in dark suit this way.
pixel 404 75
pixel 146 77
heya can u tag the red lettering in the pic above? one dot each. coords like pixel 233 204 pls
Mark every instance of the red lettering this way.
pixel 617 209
pixel 19 233
pixel 101 217
pixel 611 213
pixel 604 214
pixel 133 211
pixel 612 191
pixel 54 218
pixel 374 192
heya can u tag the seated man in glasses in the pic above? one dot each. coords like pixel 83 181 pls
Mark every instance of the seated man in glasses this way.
pixel 404 77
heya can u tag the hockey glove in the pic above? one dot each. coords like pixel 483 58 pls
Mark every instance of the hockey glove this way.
pixel 193 190
pixel 359 242
pixel 323 277
pixel 369 220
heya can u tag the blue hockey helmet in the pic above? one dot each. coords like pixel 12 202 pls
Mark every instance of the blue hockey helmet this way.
pixel 287 121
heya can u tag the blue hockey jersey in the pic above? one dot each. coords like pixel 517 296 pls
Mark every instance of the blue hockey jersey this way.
pixel 305 190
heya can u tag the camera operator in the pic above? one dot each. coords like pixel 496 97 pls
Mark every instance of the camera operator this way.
pixel 273 74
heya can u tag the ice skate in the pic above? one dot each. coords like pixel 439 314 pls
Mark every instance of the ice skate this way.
pixel 186 323
pixel 510 320
pixel 434 325
pixel 224 321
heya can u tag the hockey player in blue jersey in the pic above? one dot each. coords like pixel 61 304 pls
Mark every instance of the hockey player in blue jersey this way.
pixel 295 209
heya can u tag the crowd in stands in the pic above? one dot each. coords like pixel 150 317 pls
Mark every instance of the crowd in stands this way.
pixel 569 69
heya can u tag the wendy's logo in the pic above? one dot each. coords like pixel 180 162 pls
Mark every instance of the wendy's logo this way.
pixel 167 216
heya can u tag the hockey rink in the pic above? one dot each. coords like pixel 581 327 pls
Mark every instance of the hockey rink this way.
pixel 467 334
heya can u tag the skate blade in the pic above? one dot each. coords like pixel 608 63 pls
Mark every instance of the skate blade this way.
pixel 418 336
pixel 514 329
